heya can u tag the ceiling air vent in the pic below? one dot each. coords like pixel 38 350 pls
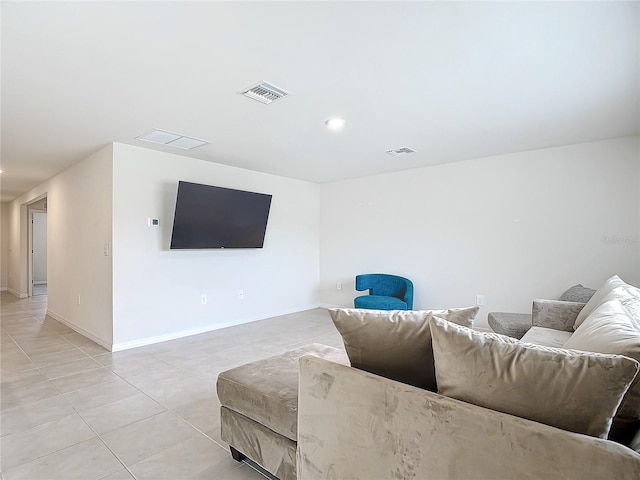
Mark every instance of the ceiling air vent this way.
pixel 171 139
pixel 397 152
pixel 264 92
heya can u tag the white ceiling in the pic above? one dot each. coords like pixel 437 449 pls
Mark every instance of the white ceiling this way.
pixel 451 80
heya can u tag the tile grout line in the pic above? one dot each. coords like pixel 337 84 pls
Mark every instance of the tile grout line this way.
pixel 166 407
pixel 61 394
pixel 73 444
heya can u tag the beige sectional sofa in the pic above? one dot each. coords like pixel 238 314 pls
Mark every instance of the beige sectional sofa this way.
pixel 549 406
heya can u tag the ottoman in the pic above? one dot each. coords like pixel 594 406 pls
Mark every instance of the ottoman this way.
pixel 259 408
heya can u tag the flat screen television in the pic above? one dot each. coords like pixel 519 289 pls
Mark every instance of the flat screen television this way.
pixel 207 216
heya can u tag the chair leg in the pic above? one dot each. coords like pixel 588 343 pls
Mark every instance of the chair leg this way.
pixel 236 455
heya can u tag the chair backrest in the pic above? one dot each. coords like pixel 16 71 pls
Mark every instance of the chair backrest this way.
pixel 386 285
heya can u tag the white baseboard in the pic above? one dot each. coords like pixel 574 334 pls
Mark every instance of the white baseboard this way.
pixel 80 330
pixel 331 305
pixel 116 347
pixel 17 294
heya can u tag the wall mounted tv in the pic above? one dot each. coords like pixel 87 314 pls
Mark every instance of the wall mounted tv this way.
pixel 215 217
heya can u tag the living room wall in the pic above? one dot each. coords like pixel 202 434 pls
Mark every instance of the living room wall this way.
pixel 79 224
pixel 157 291
pixel 511 227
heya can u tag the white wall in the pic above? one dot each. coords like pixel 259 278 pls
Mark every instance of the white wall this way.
pixel 157 292
pixel 79 224
pixel 4 245
pixel 512 227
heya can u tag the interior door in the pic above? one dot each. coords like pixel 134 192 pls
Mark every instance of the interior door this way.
pixel 39 253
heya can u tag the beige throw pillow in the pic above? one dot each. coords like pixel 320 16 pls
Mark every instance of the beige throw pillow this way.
pixel 568 389
pixel 610 328
pixel 395 344
pixel 614 284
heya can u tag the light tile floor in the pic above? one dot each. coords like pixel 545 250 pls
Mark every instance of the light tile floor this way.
pixel 72 410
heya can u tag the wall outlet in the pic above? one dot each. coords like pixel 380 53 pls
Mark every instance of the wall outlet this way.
pixel 339 285
pixel 203 299
pixel 479 300
pixel 78 300
pixel 240 294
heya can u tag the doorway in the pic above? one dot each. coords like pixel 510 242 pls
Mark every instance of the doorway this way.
pixel 38 248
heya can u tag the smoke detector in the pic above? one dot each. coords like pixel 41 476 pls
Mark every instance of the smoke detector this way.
pixel 264 92
pixel 397 152
pixel 170 139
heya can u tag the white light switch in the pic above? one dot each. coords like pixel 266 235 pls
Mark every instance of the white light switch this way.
pixel 106 249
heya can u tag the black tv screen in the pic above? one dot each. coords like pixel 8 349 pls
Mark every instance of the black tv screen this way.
pixel 215 217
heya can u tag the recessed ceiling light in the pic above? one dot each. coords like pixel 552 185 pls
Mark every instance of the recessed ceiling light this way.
pixel 171 139
pixel 335 123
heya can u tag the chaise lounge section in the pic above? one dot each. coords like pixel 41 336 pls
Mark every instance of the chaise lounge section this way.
pixel 259 408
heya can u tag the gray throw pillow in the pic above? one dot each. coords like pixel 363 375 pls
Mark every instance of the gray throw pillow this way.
pixel 578 294
pixel 395 344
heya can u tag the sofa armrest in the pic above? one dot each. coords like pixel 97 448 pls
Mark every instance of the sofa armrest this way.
pixel 357 425
pixel 555 314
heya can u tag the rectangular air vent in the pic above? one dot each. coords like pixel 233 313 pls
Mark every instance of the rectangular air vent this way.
pixel 170 139
pixel 401 151
pixel 264 92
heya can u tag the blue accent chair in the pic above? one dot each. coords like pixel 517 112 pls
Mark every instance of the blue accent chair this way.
pixel 386 292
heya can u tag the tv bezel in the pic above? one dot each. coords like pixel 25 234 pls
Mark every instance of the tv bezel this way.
pixel 217 246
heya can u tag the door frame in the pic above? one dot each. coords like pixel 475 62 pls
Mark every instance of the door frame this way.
pixel 31 211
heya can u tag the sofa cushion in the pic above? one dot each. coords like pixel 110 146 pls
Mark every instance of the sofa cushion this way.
pixel 568 389
pixel 378 302
pixel 548 337
pixel 394 344
pixel 616 287
pixel 266 390
pixel 611 329
pixel 512 324
pixel 578 294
